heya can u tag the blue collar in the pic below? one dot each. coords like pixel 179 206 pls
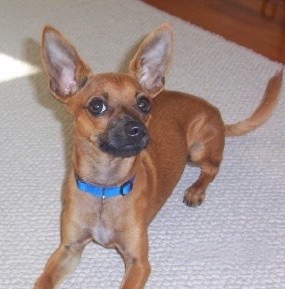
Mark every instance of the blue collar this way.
pixel 105 192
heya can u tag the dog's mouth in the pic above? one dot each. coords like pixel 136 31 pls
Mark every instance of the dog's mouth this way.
pixel 125 139
pixel 123 150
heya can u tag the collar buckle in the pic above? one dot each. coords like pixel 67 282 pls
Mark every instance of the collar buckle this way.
pixel 127 187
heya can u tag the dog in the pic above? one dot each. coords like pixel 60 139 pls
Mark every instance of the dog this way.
pixel 132 140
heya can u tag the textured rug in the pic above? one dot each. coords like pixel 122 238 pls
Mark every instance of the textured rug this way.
pixel 235 240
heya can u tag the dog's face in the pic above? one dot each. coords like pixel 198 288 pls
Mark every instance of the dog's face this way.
pixel 111 110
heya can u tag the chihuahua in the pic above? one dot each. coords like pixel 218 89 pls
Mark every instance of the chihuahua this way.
pixel 132 140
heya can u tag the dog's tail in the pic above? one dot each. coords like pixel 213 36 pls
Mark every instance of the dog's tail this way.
pixel 262 113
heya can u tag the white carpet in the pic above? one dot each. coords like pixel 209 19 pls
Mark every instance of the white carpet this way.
pixel 235 240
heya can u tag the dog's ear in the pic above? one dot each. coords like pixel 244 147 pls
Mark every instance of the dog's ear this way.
pixel 65 69
pixel 153 58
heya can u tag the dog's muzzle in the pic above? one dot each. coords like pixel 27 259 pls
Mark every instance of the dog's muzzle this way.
pixel 125 138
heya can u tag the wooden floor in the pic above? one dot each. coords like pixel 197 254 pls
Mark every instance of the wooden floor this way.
pixel 256 24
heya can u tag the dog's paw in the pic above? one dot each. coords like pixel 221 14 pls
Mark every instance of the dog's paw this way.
pixel 194 197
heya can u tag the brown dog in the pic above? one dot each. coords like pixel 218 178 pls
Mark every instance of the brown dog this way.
pixel 132 140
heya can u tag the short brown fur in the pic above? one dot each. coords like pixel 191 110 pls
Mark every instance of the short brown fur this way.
pixel 180 127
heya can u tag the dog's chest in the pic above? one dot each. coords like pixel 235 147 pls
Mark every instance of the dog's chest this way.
pixel 103 235
pixel 105 230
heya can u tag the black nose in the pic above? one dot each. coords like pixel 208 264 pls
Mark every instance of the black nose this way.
pixel 135 129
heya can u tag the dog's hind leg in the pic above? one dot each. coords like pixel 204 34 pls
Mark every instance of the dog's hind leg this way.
pixel 206 151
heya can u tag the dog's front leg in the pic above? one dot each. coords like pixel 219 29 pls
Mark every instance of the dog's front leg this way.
pixel 134 250
pixel 63 262
pixel 66 258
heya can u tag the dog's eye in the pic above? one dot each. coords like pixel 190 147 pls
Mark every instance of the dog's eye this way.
pixel 144 105
pixel 97 106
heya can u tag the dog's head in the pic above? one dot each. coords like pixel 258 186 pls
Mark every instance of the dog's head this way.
pixel 111 110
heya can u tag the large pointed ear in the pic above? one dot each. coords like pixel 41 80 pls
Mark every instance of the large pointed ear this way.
pixel 65 69
pixel 153 58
